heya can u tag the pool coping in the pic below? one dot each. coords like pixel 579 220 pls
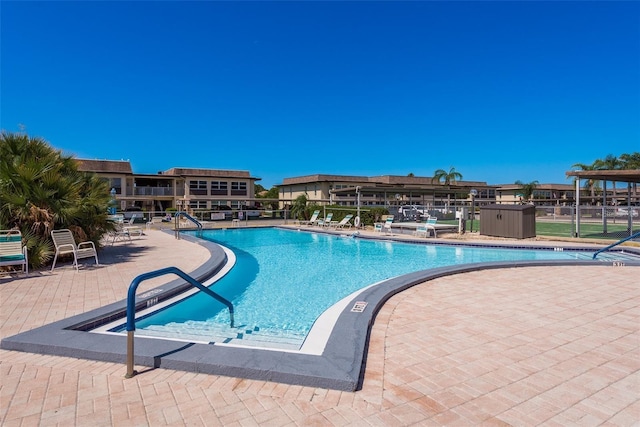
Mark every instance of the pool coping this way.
pixel 340 366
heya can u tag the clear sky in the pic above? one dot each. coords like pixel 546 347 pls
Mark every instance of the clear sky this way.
pixel 502 91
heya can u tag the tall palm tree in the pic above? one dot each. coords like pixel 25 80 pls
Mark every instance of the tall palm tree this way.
pixel 610 162
pixel 630 161
pixel 446 178
pixel 527 189
pixel 40 189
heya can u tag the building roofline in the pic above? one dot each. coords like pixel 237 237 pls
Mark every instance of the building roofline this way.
pixel 627 175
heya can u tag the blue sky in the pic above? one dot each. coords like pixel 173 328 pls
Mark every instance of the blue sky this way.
pixel 502 91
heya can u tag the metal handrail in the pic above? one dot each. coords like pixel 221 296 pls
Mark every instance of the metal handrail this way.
pixel 633 236
pixel 190 218
pixel 131 305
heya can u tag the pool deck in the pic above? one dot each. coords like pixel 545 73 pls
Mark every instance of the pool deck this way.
pixel 515 346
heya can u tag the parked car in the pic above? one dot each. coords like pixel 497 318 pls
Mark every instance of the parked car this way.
pixel 625 212
pixel 251 212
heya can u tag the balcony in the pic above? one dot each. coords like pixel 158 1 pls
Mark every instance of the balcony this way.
pixel 153 191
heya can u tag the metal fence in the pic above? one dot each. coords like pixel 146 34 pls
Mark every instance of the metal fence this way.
pixel 560 221
pixel 588 221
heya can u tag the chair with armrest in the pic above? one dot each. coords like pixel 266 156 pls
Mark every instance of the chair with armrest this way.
pixel 65 244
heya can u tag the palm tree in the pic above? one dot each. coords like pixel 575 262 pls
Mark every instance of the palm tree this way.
pixel 630 162
pixel 591 185
pixel 299 207
pixel 527 189
pixel 610 162
pixel 40 189
pixel 446 178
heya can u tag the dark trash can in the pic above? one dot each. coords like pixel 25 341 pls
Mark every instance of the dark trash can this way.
pixel 512 221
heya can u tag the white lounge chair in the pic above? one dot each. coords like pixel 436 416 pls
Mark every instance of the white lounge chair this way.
pixel 378 226
pixel 312 220
pixel 130 228
pixel 325 222
pixel 427 227
pixel 66 244
pixel 344 222
pixel 119 233
pixel 386 227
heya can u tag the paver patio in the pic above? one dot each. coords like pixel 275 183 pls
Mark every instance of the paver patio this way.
pixel 521 346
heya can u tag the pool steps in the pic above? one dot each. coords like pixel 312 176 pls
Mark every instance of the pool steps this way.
pixel 222 334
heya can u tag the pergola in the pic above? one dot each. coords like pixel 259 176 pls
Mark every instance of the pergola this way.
pixel 628 176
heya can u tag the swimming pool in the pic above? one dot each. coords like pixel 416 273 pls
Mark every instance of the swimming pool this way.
pixel 344 337
pixel 284 280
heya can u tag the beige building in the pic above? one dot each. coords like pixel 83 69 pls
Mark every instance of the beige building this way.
pixel 384 191
pixel 544 194
pixel 177 188
pixel 209 189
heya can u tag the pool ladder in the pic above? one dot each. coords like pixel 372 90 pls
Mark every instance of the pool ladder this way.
pixel 633 236
pixel 131 305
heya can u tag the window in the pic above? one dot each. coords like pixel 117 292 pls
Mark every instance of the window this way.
pixel 197 185
pixel 542 194
pixel 219 188
pixel 198 204
pixel 116 183
pixel 198 188
pixel 238 188
pixel 486 194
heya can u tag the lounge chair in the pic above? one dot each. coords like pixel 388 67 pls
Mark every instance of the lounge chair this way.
pixel 12 252
pixel 131 228
pixel 119 233
pixel 312 220
pixel 66 244
pixel 325 222
pixel 344 222
pixel 427 227
pixel 377 226
pixel 386 227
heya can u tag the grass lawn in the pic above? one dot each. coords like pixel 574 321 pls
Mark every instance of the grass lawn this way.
pixel 566 229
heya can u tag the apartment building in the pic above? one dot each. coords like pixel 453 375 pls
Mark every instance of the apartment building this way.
pixel 179 188
pixel 543 194
pixel 385 190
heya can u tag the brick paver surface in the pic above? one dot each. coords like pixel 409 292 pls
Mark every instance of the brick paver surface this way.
pixel 527 346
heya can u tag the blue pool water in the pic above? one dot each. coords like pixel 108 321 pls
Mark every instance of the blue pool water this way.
pixel 284 280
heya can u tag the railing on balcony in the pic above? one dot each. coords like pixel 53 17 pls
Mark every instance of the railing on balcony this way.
pixel 152 191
